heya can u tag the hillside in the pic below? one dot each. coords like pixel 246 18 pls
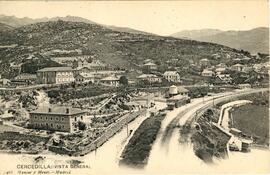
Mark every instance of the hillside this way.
pixel 120 49
pixel 4 27
pixel 254 41
pixel 194 34
pixel 19 22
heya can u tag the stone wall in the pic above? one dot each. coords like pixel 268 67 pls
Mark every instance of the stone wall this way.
pixel 23 136
pixel 60 150
pixel 110 131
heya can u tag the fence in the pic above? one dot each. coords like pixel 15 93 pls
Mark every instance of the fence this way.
pixel 23 136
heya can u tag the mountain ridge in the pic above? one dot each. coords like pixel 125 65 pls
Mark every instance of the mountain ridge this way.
pixel 121 49
pixel 19 22
pixel 254 40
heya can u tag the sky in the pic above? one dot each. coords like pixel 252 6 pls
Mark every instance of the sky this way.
pixel 159 17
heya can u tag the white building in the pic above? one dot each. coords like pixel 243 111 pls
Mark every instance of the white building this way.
pixel 207 73
pixel 238 67
pixel 172 76
pixel 150 77
pixel 111 81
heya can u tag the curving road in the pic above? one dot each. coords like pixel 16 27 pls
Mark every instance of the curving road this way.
pixel 167 153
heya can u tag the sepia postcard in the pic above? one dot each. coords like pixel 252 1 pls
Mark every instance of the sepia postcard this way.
pixel 134 87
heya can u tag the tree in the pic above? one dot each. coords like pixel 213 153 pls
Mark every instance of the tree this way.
pixel 123 80
pixel 81 125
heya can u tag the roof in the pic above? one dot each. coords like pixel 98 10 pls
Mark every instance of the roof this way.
pixel 59 110
pixel 132 103
pixel 26 75
pixel 177 97
pixel 147 76
pixel 6 116
pixel 173 86
pixel 85 75
pixel 238 65
pixel 150 64
pixel 220 69
pixel 181 89
pixel 207 71
pixel 236 130
pixel 8 128
pixel 55 69
pixel 110 78
pixel 171 73
pixel 204 59
pixel 84 67
pixel 244 84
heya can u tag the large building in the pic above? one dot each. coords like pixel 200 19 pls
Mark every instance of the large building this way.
pixel 57 118
pixel 55 75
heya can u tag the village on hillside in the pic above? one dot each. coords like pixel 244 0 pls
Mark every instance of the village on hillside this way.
pixel 76 87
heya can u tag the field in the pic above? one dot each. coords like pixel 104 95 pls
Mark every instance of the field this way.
pixel 253 120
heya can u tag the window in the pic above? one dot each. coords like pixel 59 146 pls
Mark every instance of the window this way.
pixel 51 125
pixel 51 118
pixel 75 119
pixel 82 117
pixel 62 118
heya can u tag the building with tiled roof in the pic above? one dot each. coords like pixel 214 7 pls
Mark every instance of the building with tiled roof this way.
pixel 56 118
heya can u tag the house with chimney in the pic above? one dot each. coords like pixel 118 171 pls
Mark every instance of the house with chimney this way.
pixel 63 119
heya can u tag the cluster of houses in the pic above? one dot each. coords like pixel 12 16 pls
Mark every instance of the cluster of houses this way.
pixel 82 70
pixel 221 70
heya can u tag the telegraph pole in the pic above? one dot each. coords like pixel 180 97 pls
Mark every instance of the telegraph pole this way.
pixel 127 126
